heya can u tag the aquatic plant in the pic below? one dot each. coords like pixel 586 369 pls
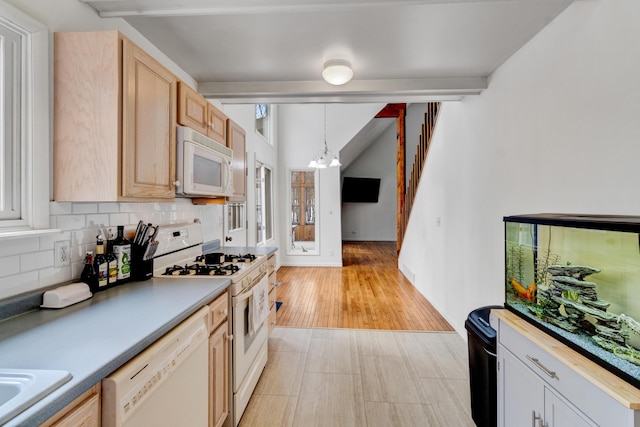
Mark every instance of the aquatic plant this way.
pixel 545 259
pixel 515 268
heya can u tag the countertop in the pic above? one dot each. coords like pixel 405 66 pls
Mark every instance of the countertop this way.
pixel 626 394
pixel 95 337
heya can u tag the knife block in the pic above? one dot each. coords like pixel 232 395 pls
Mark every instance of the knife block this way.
pixel 141 269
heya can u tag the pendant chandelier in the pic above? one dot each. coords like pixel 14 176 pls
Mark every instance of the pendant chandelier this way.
pixel 324 157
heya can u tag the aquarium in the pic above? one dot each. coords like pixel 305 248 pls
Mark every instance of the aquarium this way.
pixel 577 277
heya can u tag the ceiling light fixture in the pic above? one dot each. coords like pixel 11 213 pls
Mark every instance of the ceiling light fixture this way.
pixel 337 71
pixel 321 160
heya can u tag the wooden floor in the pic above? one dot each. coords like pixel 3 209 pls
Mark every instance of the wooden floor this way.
pixel 362 378
pixel 368 292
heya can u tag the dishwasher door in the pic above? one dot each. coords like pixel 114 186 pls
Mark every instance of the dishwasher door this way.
pixel 165 385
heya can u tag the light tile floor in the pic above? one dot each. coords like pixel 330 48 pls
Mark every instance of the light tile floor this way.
pixel 347 377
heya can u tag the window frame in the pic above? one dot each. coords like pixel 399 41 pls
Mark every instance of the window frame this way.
pixel 267 208
pixel 34 126
pixel 268 119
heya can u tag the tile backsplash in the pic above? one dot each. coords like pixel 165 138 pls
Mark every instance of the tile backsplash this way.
pixel 28 264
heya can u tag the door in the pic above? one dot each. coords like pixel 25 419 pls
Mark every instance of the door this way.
pixel 237 142
pixel 149 126
pixel 219 376
pixel 559 413
pixel 521 394
pixel 234 220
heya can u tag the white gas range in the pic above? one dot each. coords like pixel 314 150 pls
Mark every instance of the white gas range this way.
pixel 180 254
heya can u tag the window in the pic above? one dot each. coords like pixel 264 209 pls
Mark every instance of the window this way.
pixel 24 123
pixel 263 119
pixel 235 216
pixel 264 203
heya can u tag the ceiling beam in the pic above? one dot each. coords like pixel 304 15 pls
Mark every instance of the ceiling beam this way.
pixel 164 8
pixel 412 90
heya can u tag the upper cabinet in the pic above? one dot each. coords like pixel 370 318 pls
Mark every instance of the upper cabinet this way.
pixel 200 115
pixel 114 120
pixel 236 140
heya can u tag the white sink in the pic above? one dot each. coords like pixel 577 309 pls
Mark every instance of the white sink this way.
pixel 21 388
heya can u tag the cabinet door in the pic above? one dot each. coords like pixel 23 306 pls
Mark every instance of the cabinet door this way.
pixel 84 411
pixel 149 126
pixel 192 108
pixel 559 413
pixel 520 393
pixel 216 125
pixel 219 376
pixel 237 142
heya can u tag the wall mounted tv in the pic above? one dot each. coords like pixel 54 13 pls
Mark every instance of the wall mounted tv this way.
pixel 360 190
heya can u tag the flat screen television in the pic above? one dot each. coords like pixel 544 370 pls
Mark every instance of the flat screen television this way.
pixel 360 190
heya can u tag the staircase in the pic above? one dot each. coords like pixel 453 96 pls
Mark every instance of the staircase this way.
pixel 406 198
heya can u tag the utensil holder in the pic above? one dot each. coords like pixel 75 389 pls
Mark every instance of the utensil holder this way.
pixel 141 268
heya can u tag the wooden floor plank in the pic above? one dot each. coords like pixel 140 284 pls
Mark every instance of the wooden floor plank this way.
pixel 368 292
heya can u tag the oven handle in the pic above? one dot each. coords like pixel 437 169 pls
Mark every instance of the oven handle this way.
pixel 248 291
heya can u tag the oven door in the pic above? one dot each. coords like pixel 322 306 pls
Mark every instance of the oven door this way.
pixel 245 346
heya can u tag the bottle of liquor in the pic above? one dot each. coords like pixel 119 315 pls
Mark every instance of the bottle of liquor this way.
pixel 112 262
pixel 100 264
pixel 122 251
pixel 89 275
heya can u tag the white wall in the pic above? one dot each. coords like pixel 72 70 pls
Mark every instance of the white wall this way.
pixel 377 221
pixel 258 149
pixel 28 263
pixel 374 221
pixel 556 131
pixel 300 136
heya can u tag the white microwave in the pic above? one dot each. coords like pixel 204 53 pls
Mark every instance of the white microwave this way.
pixel 203 167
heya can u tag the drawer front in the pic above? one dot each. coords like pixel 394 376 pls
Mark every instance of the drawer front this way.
pixel 218 311
pixel 272 318
pixel 596 404
pixel 271 263
pixel 272 298
pixel 272 281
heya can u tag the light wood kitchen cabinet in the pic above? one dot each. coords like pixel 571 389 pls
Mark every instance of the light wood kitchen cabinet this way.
pixel 84 411
pixel 219 368
pixel 271 270
pixel 114 120
pixel 237 142
pixel 199 114
pixel 544 383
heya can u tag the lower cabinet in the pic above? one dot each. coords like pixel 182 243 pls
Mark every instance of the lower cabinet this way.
pixel 219 367
pixel 271 269
pixel 525 400
pixel 544 383
pixel 82 412
pixel 219 375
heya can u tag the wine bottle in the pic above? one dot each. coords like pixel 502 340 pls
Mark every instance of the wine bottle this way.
pixel 122 251
pixel 89 275
pixel 112 262
pixel 100 264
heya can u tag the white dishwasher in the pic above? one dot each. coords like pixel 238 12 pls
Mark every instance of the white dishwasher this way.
pixel 165 385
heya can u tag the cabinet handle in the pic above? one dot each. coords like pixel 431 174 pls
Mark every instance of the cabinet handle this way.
pixel 230 337
pixel 223 312
pixel 544 369
pixel 176 183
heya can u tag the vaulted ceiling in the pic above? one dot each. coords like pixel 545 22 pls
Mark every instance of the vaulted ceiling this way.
pixel 246 51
